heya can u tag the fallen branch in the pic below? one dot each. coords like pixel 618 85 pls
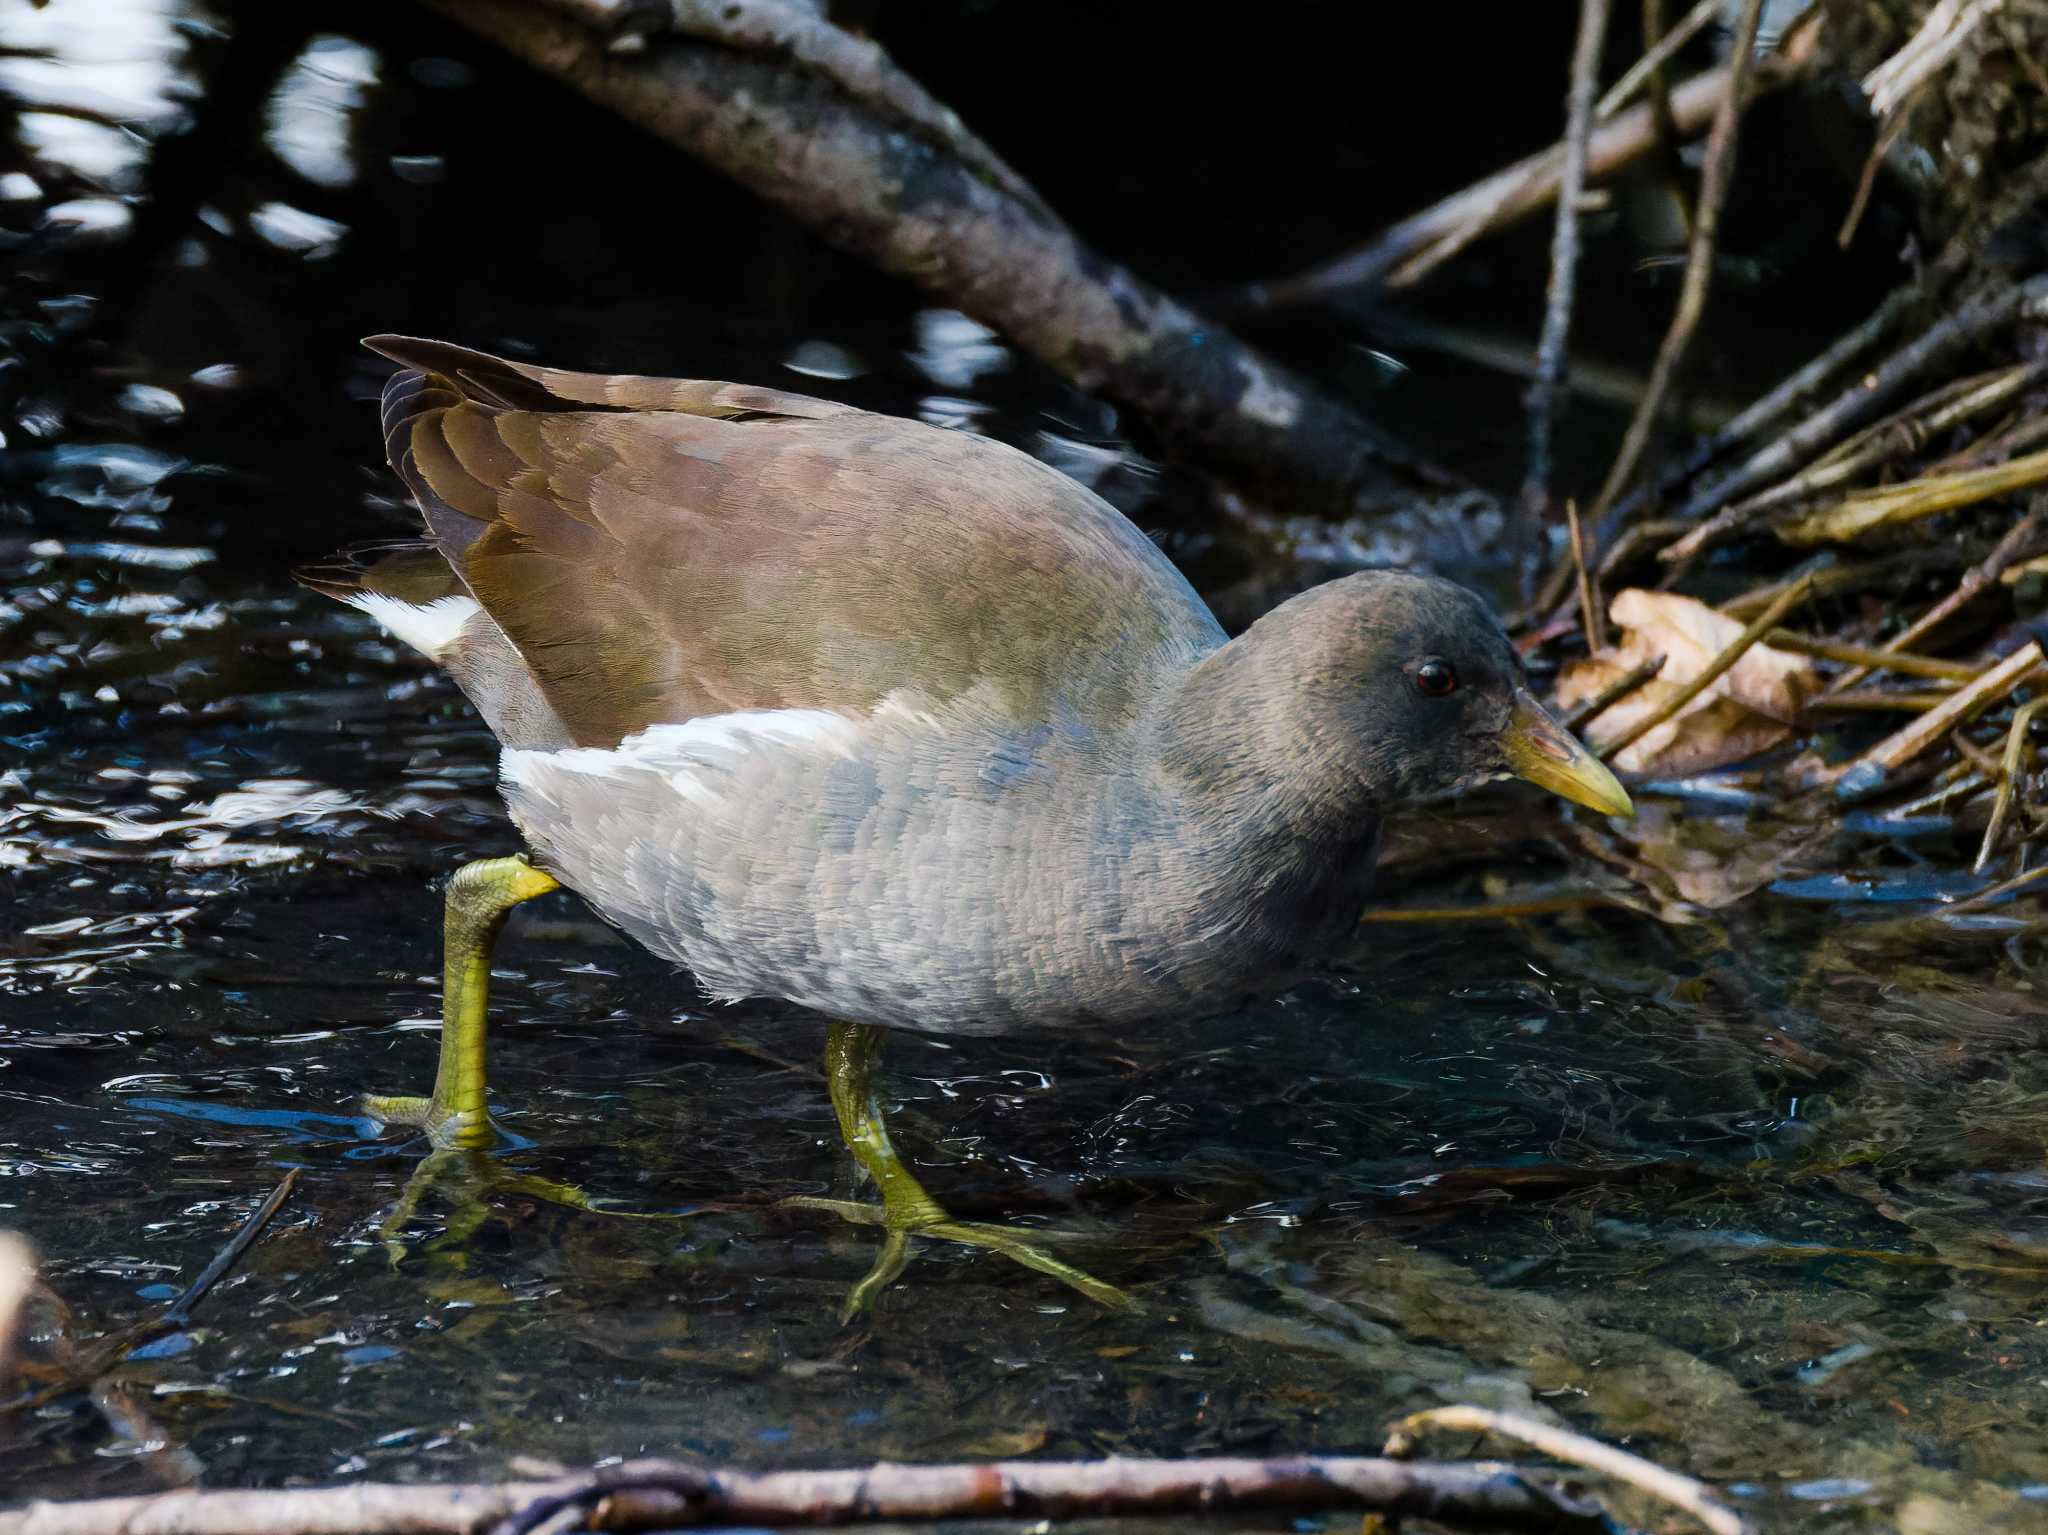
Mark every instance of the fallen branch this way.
pixel 1695 1497
pixel 651 1495
pixel 1410 250
pixel 818 124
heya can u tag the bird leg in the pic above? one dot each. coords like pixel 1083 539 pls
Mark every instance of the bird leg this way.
pixel 907 1210
pixel 480 897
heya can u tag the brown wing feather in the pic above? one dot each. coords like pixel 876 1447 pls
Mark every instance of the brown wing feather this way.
pixel 658 549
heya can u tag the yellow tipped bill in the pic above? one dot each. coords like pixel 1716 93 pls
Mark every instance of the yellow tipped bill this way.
pixel 1539 749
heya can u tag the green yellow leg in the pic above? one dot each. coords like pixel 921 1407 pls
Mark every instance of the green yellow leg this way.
pixel 906 1210
pixel 480 897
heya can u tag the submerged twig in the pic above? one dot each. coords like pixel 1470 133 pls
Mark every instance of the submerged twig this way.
pixel 181 1309
pixel 1734 651
pixel 1681 1492
pixel 110 1351
pixel 1553 347
pixel 1715 180
pixel 2009 779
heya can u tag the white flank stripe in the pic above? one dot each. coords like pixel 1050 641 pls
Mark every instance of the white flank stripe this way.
pixel 429 628
pixel 677 752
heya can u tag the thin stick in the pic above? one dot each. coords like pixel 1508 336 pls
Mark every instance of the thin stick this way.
pixel 1554 346
pixel 230 1255
pixel 1613 693
pixel 1715 180
pixel 1895 702
pixel 1868 772
pixel 1497 911
pixel 1849 409
pixel 1875 660
pixel 1975 580
pixel 110 1351
pixel 1681 1492
pixel 2009 779
pixel 1853 516
pixel 1997 892
pixel 1651 64
pixel 1589 603
pixel 653 1495
pixel 1734 651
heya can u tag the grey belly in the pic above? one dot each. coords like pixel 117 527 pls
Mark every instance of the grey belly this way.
pixel 955 891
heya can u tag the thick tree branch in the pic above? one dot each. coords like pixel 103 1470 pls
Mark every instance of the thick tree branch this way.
pixel 829 147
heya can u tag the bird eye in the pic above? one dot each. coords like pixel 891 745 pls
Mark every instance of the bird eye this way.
pixel 1434 678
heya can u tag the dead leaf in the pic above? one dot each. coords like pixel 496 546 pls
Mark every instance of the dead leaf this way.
pixel 1747 709
pixel 1689 634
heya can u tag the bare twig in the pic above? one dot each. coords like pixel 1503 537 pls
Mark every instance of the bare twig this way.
pixel 1868 773
pixel 1409 250
pixel 1715 179
pixel 1872 659
pixel 1855 405
pixel 1734 651
pixel 1941 37
pixel 1590 616
pixel 1555 344
pixel 2009 779
pixel 1649 69
pixel 1854 516
pixel 91 1364
pixel 1975 580
pixel 1681 1492
pixel 652 1495
pixel 1613 693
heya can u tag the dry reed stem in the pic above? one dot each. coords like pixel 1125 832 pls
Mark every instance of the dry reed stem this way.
pixel 1856 516
pixel 2008 781
pixel 1868 773
pixel 1975 579
pixel 1715 179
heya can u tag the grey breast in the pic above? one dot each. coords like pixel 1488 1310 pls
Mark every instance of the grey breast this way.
pixel 948 875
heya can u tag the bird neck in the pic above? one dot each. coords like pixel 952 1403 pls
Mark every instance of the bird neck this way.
pixel 1266 787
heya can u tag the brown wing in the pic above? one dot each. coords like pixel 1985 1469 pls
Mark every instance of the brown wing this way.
pixel 658 549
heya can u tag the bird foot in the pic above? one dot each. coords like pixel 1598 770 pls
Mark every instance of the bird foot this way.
pixel 1020 1244
pixel 466 1181
pixel 446 1128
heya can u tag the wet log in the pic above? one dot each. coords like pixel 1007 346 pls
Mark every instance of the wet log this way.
pixel 823 126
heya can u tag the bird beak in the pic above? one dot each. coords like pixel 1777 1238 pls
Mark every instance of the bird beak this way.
pixel 1539 749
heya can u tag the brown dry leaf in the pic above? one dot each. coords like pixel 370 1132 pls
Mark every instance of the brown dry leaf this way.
pixel 1689 634
pixel 1748 709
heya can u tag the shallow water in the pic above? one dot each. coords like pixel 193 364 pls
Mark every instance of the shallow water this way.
pixel 1761 1195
